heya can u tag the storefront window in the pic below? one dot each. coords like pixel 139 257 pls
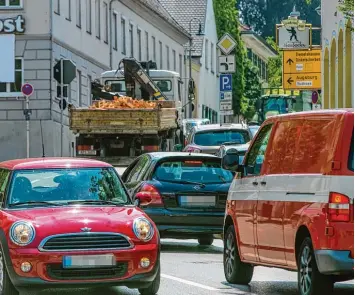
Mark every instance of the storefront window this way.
pixel 10 3
pixel 14 87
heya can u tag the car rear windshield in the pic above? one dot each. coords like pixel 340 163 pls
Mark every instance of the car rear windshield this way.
pixel 204 171
pixel 64 185
pixel 218 137
pixel 351 154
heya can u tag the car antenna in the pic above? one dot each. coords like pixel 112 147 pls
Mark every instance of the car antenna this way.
pixel 43 155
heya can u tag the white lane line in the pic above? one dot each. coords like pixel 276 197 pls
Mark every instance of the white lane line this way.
pixel 189 283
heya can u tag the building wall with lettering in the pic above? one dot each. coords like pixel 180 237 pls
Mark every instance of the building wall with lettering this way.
pixel 337 57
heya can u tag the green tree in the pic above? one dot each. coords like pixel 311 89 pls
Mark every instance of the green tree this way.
pixel 227 21
pixel 274 66
pixel 347 8
pixel 252 89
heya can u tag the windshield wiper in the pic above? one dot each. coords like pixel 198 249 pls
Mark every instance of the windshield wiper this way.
pixel 35 203
pixel 95 202
pixel 184 182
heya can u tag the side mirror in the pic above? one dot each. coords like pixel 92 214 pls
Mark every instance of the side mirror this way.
pixel 142 199
pixel 230 161
pixel 178 148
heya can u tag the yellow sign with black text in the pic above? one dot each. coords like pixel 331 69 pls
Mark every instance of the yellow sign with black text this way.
pixel 302 81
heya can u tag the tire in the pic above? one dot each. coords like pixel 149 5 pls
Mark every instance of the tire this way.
pixel 205 241
pixel 153 288
pixel 6 286
pixel 310 280
pixel 235 271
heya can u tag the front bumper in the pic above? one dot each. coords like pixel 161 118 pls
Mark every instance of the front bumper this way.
pixel 39 278
pixel 334 262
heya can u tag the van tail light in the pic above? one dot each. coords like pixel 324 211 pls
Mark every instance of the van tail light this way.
pixel 149 194
pixel 339 207
pixel 192 149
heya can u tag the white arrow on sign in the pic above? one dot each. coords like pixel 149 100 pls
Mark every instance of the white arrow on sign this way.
pixel 226 64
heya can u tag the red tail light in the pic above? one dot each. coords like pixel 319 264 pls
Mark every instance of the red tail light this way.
pixel 151 194
pixel 338 207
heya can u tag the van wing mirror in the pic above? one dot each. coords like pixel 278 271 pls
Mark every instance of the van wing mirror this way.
pixel 230 160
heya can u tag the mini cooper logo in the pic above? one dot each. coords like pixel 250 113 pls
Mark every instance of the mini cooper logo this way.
pixel 86 229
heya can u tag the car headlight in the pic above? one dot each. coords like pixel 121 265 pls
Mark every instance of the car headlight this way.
pixel 143 229
pixel 22 233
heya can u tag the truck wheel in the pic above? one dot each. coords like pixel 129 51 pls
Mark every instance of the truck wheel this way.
pixel 235 271
pixel 310 280
pixel 205 241
pixel 6 286
pixel 153 288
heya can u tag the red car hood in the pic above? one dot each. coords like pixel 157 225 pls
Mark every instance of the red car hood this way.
pixel 52 221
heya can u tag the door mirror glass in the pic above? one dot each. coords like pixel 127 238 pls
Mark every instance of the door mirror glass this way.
pixel 230 160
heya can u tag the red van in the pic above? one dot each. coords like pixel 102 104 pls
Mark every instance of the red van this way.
pixel 291 204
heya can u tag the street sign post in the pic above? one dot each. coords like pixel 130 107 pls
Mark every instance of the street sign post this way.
pixel 315 97
pixel 302 69
pixel 226 44
pixel 27 90
pixel 226 96
pixel 226 64
pixel 64 73
pixel 225 82
pixel 294 38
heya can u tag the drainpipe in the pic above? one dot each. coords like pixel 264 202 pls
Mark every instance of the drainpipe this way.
pixel 110 25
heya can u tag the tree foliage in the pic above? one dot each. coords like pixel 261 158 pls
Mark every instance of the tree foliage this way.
pixel 347 8
pixel 252 89
pixel 226 16
pixel 274 66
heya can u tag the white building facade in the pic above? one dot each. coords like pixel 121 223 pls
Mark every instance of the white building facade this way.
pixel 95 35
pixel 337 57
pixel 196 15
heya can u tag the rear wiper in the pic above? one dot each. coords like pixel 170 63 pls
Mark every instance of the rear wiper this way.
pixel 94 202
pixel 184 182
pixel 35 203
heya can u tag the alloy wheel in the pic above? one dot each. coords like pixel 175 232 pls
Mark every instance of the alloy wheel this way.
pixel 306 270
pixel 230 255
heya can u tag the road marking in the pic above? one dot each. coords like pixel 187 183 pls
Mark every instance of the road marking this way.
pixel 189 283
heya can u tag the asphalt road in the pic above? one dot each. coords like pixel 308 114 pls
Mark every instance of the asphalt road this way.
pixel 188 269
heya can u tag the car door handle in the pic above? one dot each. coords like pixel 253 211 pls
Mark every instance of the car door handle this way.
pixel 263 183
pixel 255 183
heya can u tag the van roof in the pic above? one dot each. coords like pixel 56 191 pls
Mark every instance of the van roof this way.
pixel 310 113
pixel 152 74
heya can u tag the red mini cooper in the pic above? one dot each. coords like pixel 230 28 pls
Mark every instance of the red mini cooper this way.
pixel 68 222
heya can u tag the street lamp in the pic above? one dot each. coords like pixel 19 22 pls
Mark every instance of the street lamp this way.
pixel 200 33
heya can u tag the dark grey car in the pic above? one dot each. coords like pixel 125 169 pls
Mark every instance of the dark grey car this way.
pixel 208 138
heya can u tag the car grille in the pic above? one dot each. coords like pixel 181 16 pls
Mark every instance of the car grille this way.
pixel 85 242
pixel 57 272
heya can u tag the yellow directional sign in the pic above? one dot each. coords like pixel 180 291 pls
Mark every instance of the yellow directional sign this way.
pixel 302 81
pixel 302 61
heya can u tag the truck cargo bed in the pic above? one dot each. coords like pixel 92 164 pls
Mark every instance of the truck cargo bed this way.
pixel 122 121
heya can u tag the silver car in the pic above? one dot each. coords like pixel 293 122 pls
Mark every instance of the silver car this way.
pixel 208 138
pixel 241 148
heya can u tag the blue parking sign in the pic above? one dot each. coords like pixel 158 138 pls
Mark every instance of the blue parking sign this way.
pixel 225 82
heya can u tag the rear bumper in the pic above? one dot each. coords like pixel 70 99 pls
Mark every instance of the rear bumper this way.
pixel 333 262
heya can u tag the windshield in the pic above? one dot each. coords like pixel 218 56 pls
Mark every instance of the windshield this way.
pixel 65 185
pixel 205 171
pixel 254 130
pixel 218 137
pixel 275 106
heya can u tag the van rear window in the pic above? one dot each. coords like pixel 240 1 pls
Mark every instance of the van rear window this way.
pixel 351 154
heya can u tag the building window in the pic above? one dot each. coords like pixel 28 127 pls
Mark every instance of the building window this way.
pixel 174 60
pixel 115 32
pixel 206 54
pixel 69 11
pixel 123 32
pixel 250 54
pixel 78 13
pixel 89 90
pixel 212 58
pixel 139 36
pixel 88 16
pixel 147 45
pixel 154 49
pixel 161 54
pixel 14 87
pixel 131 39
pixel 80 102
pixel 105 22
pixel 217 63
pixel 98 18
pixel 19 4
pixel 180 64
pixel 167 57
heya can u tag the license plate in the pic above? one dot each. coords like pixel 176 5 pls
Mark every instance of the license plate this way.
pixel 88 261
pixel 197 201
pixel 87 153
